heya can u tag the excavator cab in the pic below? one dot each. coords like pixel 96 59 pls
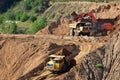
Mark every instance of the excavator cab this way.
pixel 85 23
pixel 56 63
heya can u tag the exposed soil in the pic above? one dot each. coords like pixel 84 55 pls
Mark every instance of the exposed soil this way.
pixel 23 57
pixel 26 55
pixel 104 12
pixel 108 55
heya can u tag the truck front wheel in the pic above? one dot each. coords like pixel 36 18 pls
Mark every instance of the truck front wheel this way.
pixel 72 32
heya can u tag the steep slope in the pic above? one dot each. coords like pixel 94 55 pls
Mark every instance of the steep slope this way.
pixel 104 12
pixel 59 27
pixel 23 56
pixel 108 55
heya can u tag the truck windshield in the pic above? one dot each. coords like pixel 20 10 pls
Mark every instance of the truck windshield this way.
pixel 49 64
pixel 52 58
pixel 58 61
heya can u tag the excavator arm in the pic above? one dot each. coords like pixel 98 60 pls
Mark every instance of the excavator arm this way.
pixel 92 17
pixel 82 15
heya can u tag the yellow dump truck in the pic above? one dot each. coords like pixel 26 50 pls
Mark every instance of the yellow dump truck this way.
pixel 56 63
pixel 61 58
pixel 60 63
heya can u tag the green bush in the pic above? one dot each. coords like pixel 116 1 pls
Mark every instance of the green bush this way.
pixel 18 15
pixel 99 65
pixel 13 28
pixel 24 17
pixel 36 6
pixel 35 10
pixel 10 15
pixel 1 19
pixel 2 28
pixel 78 0
pixel 27 4
pixel 37 25
pixel 32 18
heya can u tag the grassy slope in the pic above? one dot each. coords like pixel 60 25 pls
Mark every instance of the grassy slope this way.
pixel 54 12
pixel 59 9
pixel 22 26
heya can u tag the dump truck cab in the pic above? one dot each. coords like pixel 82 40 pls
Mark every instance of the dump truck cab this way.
pixel 56 63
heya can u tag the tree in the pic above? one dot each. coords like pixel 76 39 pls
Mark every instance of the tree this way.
pixel 35 10
pixel 18 15
pixel 13 28
pixel 32 18
pixel 10 15
pixel 1 19
pixel 24 17
pixel 37 25
pixel 2 28
pixel 27 4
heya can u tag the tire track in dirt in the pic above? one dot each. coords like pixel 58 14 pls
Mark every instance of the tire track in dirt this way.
pixel 23 54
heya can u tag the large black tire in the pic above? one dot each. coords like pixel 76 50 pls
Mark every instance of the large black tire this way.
pixel 72 63
pixel 68 65
pixel 77 33
pixel 65 67
pixel 91 33
pixel 104 32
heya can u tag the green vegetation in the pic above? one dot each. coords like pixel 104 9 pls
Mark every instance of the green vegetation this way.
pixel 13 28
pixel 32 18
pixel 18 15
pixel 28 4
pixel 83 0
pixel 27 12
pixel 10 28
pixel 10 15
pixel 99 65
pixel 24 12
pixel 37 25
pixel 35 6
pixel 1 19
pixel 24 17
pixel 25 4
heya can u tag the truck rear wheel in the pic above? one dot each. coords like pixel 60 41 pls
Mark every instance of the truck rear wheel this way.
pixel 104 32
pixel 72 63
pixel 76 33
pixel 68 65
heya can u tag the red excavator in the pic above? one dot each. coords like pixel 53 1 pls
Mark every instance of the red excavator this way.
pixel 88 15
pixel 85 24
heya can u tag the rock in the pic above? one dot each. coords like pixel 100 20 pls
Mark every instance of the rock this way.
pixel 108 56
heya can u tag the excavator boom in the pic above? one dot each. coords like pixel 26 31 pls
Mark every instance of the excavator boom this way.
pixel 90 14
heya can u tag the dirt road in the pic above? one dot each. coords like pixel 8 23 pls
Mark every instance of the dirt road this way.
pixel 25 55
